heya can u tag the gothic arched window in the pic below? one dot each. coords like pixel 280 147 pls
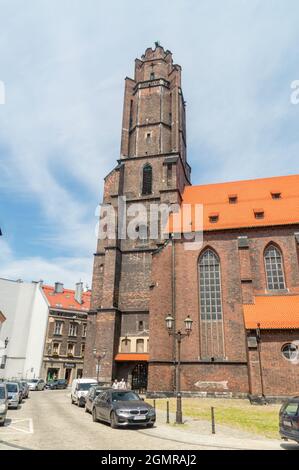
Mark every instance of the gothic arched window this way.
pixel 210 289
pixel 147 179
pixel 211 315
pixel 274 268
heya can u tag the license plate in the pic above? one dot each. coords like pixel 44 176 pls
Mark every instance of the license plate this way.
pixel 287 423
pixel 139 418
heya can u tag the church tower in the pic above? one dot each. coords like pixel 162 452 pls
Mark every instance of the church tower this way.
pixel 152 169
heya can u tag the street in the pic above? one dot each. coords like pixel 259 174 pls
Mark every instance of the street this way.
pixel 47 420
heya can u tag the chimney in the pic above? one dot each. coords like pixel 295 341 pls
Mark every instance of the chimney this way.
pixel 79 292
pixel 58 288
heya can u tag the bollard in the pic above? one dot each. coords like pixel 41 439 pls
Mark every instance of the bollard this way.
pixel 167 412
pixel 155 404
pixel 213 420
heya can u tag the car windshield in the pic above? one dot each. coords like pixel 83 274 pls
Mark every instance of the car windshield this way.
pixel 12 388
pixel 2 393
pixel 33 381
pixel 84 386
pixel 24 383
pixel 124 396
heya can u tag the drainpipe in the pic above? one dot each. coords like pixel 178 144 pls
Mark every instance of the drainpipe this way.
pixel 173 282
pixel 259 340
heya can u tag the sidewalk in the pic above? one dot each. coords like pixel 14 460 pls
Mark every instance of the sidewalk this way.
pixel 197 432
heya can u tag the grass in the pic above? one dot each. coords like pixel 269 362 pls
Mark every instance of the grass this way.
pixel 238 414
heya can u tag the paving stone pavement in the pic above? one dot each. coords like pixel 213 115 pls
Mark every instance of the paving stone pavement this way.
pixel 47 420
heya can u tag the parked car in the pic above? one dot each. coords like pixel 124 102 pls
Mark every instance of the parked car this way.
pixel 3 403
pixel 80 389
pixel 57 384
pixel 122 408
pixel 25 388
pixel 93 392
pixel 289 420
pixel 36 384
pixel 14 394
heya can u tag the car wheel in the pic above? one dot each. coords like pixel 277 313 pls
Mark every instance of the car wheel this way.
pixel 2 423
pixel 94 416
pixel 86 410
pixel 113 421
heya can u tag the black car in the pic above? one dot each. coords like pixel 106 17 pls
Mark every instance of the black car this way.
pixel 122 408
pixel 58 384
pixel 93 392
pixel 289 420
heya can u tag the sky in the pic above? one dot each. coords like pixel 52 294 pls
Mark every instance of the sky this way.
pixel 63 64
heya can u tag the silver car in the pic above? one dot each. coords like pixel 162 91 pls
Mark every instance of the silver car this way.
pixel 3 403
pixel 14 394
pixel 36 384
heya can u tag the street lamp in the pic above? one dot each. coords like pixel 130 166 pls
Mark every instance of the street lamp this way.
pixel 98 357
pixel 178 335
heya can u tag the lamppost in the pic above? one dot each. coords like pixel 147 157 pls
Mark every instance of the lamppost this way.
pixel 178 337
pixel 98 357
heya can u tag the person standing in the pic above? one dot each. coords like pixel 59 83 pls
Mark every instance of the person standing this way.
pixel 122 384
pixel 115 384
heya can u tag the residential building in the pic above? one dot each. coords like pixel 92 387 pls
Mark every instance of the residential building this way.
pixel 66 332
pixel 22 335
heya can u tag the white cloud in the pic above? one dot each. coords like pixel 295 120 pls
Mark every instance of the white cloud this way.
pixel 67 270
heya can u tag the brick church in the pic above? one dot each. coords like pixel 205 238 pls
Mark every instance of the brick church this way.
pixel 240 287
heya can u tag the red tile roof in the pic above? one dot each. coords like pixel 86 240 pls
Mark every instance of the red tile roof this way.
pixel 131 357
pixel 66 299
pixel 273 312
pixel 251 194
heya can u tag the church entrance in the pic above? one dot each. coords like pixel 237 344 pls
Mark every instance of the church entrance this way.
pixel 139 377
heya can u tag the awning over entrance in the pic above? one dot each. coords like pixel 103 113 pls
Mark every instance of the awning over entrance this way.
pixel 120 357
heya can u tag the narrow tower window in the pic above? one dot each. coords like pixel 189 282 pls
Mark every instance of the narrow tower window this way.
pixel 147 177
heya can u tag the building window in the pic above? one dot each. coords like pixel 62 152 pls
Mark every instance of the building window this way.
pixel 82 349
pixel 131 114
pixel 274 269
pixel 210 289
pixel 125 345
pixel 290 351
pixel 55 349
pixel 259 213
pixel 211 316
pixel 152 76
pixel 276 195
pixel 140 325
pixel 213 218
pixel 147 176
pixel 233 199
pixel 140 346
pixel 84 329
pixel 58 328
pixel 73 329
pixel 70 349
pixel 169 174
pixel 148 138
